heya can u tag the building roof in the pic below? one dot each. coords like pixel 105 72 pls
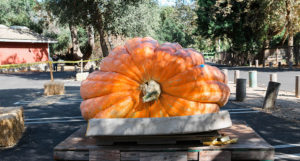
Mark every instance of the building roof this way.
pixel 22 34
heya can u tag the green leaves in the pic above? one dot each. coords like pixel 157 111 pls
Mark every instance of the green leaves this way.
pixel 177 24
pixel 22 13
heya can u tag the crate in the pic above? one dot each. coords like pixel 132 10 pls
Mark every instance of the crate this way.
pixel 186 147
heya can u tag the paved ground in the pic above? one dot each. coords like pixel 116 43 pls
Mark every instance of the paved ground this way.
pixel 49 120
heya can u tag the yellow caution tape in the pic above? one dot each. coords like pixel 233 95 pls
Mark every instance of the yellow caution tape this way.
pixel 7 66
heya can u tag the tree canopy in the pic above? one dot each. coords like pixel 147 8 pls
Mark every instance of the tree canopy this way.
pixel 243 28
pixel 247 25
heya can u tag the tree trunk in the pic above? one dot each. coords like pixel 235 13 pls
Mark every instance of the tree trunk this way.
pixel 296 51
pixel 290 54
pixel 91 35
pixel 75 43
pixel 108 41
pixel 101 31
pixel 91 42
pixel 98 23
pixel 266 50
pixel 103 44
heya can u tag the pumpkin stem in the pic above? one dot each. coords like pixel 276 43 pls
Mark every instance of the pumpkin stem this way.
pixel 151 91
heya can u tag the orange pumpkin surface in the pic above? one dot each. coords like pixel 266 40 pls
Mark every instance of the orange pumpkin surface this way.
pixel 146 79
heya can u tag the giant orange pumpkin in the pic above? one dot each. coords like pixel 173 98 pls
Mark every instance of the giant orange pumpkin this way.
pixel 146 79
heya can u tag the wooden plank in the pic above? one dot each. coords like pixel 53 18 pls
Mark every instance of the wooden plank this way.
pixel 215 156
pixel 193 156
pixel 71 155
pixel 166 156
pixel 105 155
pixel 76 141
pixel 253 155
pixel 130 156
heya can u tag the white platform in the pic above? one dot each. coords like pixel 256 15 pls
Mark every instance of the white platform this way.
pixel 159 126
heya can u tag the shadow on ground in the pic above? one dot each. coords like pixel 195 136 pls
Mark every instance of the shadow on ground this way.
pixel 10 97
pixel 39 139
pixel 43 75
pixel 38 142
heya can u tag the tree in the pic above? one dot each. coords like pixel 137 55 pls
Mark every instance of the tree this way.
pixel 292 21
pixel 112 17
pixel 246 25
pixel 226 20
pixel 172 32
pixel 178 24
pixel 69 13
pixel 22 13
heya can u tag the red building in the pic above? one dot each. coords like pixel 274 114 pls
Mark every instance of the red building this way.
pixel 19 45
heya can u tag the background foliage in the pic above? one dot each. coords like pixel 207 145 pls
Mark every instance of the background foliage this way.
pixel 91 28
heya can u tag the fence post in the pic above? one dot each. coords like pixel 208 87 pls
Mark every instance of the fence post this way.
pixel 253 79
pixel 241 89
pixel 273 77
pixel 297 86
pixel 256 63
pixel 81 65
pixel 236 75
pixel 279 65
pixel 250 63
pixel 271 95
pixel 51 71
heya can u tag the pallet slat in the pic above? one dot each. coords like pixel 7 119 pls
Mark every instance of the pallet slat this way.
pixel 107 155
pixel 165 156
pixel 215 155
pixel 71 155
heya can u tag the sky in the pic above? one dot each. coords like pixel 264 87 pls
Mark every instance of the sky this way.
pixel 167 2
pixel 170 2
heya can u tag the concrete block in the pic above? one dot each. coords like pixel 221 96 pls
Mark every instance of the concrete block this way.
pixel 241 90
pixel 252 79
pixel 11 126
pixel 81 76
pixel 273 77
pixel 271 95
pixel 236 75
pixel 159 126
pixel 54 88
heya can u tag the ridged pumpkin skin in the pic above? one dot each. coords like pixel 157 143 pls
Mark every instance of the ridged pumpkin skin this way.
pixel 186 85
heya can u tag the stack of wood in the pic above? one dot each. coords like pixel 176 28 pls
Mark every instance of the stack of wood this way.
pixel 11 126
